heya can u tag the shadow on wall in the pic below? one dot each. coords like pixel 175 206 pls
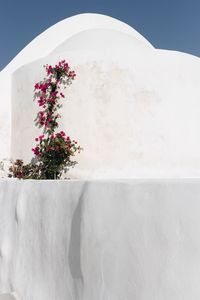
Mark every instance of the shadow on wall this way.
pixel 75 248
pixel 7 297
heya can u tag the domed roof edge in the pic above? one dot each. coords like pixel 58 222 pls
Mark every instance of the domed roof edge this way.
pixel 64 29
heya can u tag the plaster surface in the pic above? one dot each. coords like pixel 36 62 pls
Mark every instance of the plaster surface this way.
pixel 7 297
pixel 86 240
pixel 133 108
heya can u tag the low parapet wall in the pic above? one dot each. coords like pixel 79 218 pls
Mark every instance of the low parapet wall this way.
pixel 86 240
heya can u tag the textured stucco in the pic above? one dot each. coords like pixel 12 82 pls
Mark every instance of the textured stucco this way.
pixel 6 296
pixel 86 240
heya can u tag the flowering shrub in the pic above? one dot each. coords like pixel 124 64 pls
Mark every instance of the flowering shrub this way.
pixel 21 171
pixel 53 150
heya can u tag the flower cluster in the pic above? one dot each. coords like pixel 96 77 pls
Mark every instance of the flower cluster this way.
pixel 53 149
pixel 55 144
pixel 48 94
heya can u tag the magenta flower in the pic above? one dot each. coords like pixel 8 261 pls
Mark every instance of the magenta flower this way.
pixel 41 137
pixel 53 149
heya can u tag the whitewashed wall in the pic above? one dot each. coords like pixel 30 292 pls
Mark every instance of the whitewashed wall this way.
pixel 77 240
pixel 135 110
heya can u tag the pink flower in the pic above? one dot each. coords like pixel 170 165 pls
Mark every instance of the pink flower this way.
pixel 72 74
pixel 44 86
pixel 36 86
pixel 49 70
pixel 41 137
pixel 36 151
pixel 41 101
pixel 54 94
pixel 62 133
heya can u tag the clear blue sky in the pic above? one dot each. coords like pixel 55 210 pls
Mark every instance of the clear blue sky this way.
pixel 168 24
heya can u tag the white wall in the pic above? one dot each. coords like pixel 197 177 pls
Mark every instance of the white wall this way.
pixel 134 110
pixel 99 240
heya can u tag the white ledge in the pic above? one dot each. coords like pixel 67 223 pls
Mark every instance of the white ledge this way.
pixel 86 240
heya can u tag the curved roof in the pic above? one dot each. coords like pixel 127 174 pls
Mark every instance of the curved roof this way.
pixel 57 34
pixel 100 40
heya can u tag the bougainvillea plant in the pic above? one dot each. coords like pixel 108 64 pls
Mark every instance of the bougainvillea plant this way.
pixel 53 150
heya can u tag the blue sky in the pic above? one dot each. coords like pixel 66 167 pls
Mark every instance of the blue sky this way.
pixel 169 24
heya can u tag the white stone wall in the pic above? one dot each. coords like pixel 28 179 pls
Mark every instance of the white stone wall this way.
pixel 133 239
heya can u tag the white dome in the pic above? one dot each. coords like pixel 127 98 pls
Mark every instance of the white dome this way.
pixel 57 34
pixel 42 46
